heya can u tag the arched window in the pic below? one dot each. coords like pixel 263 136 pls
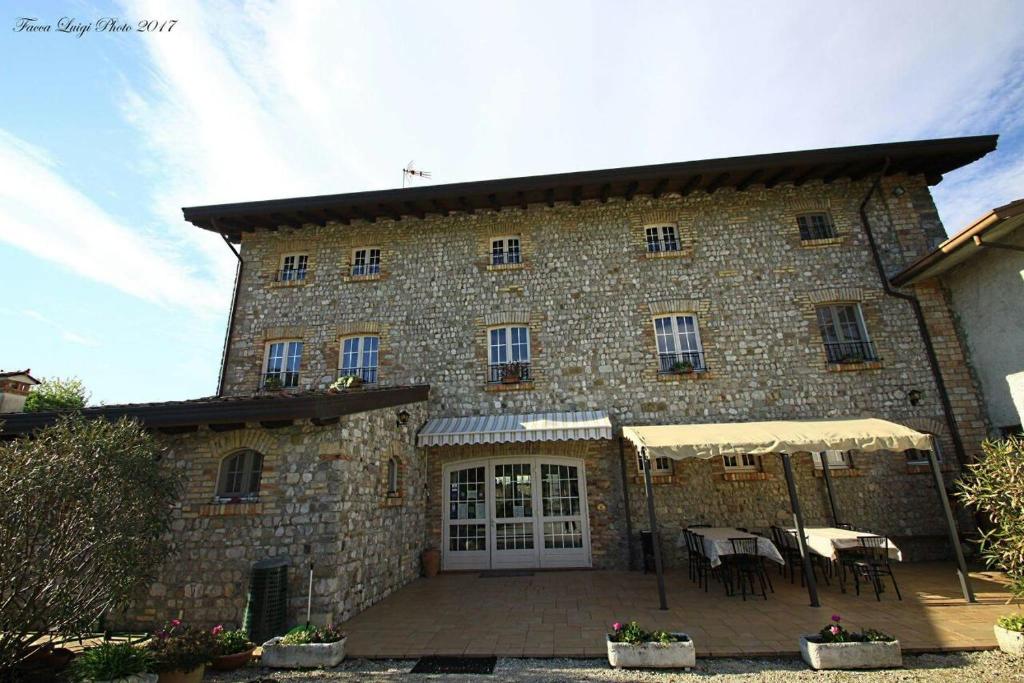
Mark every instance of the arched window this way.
pixel 392 476
pixel 240 475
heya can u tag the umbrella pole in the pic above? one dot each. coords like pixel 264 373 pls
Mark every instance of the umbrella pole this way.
pixel 798 517
pixel 954 538
pixel 655 536
pixel 827 474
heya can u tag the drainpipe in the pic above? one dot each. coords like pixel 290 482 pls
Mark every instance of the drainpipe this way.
pixel 926 337
pixel 231 313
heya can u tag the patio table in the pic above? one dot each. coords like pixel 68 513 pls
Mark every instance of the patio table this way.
pixel 716 543
pixel 828 541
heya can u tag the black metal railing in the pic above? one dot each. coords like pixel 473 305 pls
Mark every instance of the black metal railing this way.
pixel 681 363
pixel 655 244
pixel 508 373
pixel 509 258
pixel 290 275
pixel 850 352
pixel 279 380
pixel 366 269
pixel 368 375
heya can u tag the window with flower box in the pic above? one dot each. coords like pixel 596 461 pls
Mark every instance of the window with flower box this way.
pixel 282 364
pixel 359 358
pixel 679 346
pixel 844 334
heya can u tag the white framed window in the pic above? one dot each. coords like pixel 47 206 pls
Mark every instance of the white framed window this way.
pixel 917 456
pixel 293 267
pixel 661 238
pixel 844 334
pixel 359 357
pixel 366 261
pixel 679 347
pixel 742 462
pixel 837 460
pixel 392 476
pixel 508 354
pixel 505 250
pixel 815 226
pixel 282 364
pixel 662 465
pixel 240 475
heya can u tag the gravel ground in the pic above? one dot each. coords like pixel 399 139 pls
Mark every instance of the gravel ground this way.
pixel 967 667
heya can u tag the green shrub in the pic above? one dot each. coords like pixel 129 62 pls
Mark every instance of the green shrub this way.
pixel 231 642
pixel 57 394
pixel 306 635
pixel 110 660
pixel 835 632
pixel 178 647
pixel 634 635
pixel 1012 622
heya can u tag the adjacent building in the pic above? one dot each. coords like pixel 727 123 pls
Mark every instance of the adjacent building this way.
pixel 14 388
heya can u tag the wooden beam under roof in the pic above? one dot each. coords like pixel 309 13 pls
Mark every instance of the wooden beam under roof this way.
pixel 659 188
pixel 775 178
pixel 690 185
pixel 748 180
pixel 837 172
pixel 493 199
pixel 717 182
pixel 440 206
pixel 631 189
pixel 363 214
pixel 523 204
pixel 605 191
pixel 803 177
pixel 415 210
pixel 549 196
pixel 464 205
pixel 390 211
pixel 577 195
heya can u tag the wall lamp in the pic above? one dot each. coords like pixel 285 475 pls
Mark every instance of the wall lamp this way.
pixel 898 191
pixel 914 396
pixel 402 418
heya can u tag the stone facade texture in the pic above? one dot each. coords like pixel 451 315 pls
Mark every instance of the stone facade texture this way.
pixel 324 487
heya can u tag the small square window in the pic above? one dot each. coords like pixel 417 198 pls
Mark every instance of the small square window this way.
pixel 366 261
pixel 505 251
pixel 837 460
pixel 662 465
pixel 661 238
pixel 743 462
pixel 815 226
pixel 293 268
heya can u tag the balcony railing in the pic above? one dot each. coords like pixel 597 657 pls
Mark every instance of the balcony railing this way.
pixel 655 245
pixel 850 352
pixel 359 269
pixel 508 373
pixel 290 275
pixel 368 375
pixel 681 363
pixel 279 380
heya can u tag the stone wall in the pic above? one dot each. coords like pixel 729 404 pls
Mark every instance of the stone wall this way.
pixel 324 487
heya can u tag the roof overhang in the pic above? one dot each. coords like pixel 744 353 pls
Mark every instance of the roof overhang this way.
pixel 734 438
pixel 930 158
pixel 987 232
pixel 484 429
pixel 320 408
pixel 20 376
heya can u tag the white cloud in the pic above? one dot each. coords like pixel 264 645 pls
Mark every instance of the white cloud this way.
pixel 65 333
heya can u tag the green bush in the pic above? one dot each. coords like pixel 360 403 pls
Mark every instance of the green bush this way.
pixel 1012 622
pixel 634 635
pixel 57 394
pixel 108 661
pixel 306 635
pixel 178 647
pixel 232 642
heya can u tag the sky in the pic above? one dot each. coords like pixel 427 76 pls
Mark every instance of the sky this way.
pixel 105 135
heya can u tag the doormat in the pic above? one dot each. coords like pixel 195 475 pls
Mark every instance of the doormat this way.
pixel 455 665
pixel 501 573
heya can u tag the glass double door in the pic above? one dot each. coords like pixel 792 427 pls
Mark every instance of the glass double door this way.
pixel 516 513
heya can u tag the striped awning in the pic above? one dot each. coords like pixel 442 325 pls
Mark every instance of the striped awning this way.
pixel 479 429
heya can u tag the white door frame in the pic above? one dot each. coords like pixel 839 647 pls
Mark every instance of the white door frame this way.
pixel 538 556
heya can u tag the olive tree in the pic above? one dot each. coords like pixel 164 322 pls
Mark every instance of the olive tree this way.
pixel 994 486
pixel 84 521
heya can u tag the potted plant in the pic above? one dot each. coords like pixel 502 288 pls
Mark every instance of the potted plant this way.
pixel 305 647
pixel 431 559
pixel 234 650
pixel 834 647
pixel 683 367
pixel 512 373
pixel 346 382
pixel 272 383
pixel 1010 634
pixel 629 646
pixel 180 653
pixel 113 663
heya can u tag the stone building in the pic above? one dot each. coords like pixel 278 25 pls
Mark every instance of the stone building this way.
pixel 545 314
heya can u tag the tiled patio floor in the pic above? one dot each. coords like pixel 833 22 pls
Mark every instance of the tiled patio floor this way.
pixel 567 614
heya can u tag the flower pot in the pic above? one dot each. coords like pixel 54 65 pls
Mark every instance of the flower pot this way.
pixel 1010 642
pixel 431 559
pixel 232 661
pixel 850 655
pixel 277 655
pixel 134 678
pixel 510 379
pixel 193 676
pixel 678 655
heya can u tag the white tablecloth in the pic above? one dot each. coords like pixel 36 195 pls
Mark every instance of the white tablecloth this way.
pixel 828 541
pixel 716 543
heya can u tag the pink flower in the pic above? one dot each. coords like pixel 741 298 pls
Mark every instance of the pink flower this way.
pixel 835 630
pixel 217 630
pixel 175 623
pixel 616 626
pixel 835 618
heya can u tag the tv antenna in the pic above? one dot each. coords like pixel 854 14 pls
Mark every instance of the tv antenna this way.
pixel 410 172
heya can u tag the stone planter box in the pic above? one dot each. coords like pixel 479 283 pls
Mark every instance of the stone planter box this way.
pixel 678 655
pixel 277 655
pixel 1010 642
pixel 850 655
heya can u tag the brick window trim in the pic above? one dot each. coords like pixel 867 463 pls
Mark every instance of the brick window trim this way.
pixel 656 479
pixel 823 242
pixel 839 472
pixel 227 509
pixel 288 284
pixel 854 367
pixel 503 267
pixel 748 476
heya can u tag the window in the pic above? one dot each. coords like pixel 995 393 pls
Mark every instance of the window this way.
pixel 293 268
pixel 359 357
pixel 917 456
pixel 815 226
pixel 284 358
pixel 662 465
pixel 661 238
pixel 240 475
pixel 505 250
pixel 679 348
pixel 508 355
pixel 844 335
pixel 837 460
pixel 744 462
pixel 392 476
pixel 366 262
